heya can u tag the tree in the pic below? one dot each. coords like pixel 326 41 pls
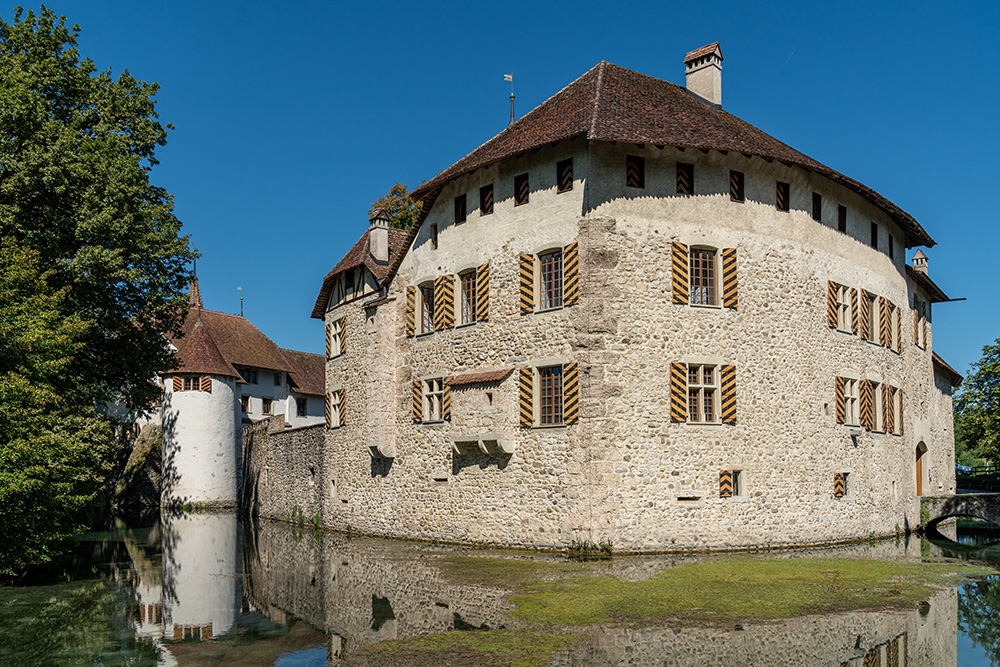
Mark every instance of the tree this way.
pixel 76 148
pixel 977 406
pixel 402 210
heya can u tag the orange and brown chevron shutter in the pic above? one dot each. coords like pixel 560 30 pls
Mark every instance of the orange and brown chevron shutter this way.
pixel 483 293
pixel 418 402
pixel 867 400
pixel 526 402
pixel 725 483
pixel 527 284
pixel 685 178
pixel 678 392
pixel 565 175
pixel 728 394
pixel 839 485
pixel 411 305
pixel 883 318
pixel 444 303
pixel 178 383
pixel 446 399
pixel 342 408
pixel 899 330
pixel 831 304
pixel 899 393
pixel 888 413
pixel 866 316
pixel 841 403
pixel 206 383
pixel 730 284
pixel 873 658
pixel 571 394
pixel 329 340
pixel 571 274
pixel 679 262
pixel 326 408
pixel 343 336
pixel 892 659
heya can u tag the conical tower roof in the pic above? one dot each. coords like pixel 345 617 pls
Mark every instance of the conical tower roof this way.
pixel 199 354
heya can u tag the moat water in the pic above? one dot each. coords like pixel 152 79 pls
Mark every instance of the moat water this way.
pixel 203 589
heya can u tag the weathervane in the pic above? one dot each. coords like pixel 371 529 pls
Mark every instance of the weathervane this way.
pixel 510 77
pixel 240 290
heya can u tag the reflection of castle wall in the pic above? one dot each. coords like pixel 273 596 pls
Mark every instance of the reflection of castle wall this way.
pixel 199 559
pixel 363 591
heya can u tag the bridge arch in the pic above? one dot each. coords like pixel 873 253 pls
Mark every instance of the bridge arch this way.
pixel 983 506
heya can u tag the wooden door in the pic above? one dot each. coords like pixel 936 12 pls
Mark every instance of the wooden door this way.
pixel 920 472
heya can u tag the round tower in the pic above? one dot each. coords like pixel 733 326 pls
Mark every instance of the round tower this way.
pixel 199 427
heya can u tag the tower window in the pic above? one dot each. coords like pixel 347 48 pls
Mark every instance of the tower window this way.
pixel 817 207
pixel 520 189
pixel 736 186
pixel 460 212
pixel 842 218
pixel 781 196
pixel 875 236
pixel 564 175
pixel 685 178
pixel 635 171
pixel 486 199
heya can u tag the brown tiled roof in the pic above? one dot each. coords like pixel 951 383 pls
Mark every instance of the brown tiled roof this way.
pixel 239 341
pixel 198 353
pixel 357 256
pixel 611 103
pixel 953 376
pixel 194 294
pixel 307 371
pixel 480 377
pixel 703 51
pixel 935 293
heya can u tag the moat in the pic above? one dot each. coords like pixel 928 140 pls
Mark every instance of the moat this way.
pixel 205 589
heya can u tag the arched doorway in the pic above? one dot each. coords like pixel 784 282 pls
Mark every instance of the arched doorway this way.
pixel 921 473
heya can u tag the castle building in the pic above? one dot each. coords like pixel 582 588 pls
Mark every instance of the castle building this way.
pixel 229 375
pixel 633 317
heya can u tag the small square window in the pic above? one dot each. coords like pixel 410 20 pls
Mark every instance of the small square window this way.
pixel 521 189
pixel 434 236
pixel 781 196
pixel 300 407
pixel 635 171
pixel 731 484
pixel 460 212
pixel 685 178
pixel 817 207
pixel 486 199
pixel 564 175
pixel 841 484
pixel 875 236
pixel 736 186
pixel 266 405
pixel 842 218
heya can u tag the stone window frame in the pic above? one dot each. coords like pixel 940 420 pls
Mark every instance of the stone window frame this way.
pixel 550 296
pixel 551 377
pixel 432 398
pixel 741 492
pixel 699 390
pixel 467 284
pixel 844 317
pixel 301 407
pixel 869 303
pixel 894 327
pixel 425 308
pixel 878 416
pixel 897 407
pixel 266 405
pixel 920 321
pixel 336 332
pixel 848 485
pixel 852 400
pixel 716 269
pixel 245 403
pixel 335 397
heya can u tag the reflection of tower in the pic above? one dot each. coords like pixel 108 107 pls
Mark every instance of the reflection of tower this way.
pixel 199 425
pixel 199 575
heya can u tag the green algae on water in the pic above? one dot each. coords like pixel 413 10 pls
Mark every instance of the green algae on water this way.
pixel 493 648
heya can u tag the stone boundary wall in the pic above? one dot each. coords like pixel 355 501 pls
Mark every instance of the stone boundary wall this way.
pixel 282 469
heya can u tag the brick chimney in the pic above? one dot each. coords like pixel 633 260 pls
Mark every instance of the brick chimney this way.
pixel 920 262
pixel 378 236
pixel 703 68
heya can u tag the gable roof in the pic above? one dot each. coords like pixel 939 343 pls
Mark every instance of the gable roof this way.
pixel 238 341
pixel 198 353
pixel 359 255
pixel 306 371
pixel 612 103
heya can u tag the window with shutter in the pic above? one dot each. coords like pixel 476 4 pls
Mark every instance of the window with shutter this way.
pixel 521 190
pixel 571 392
pixel 730 282
pixel 178 383
pixel 444 303
pixel 678 392
pixel 782 195
pixel 486 199
pixel 571 274
pixel 685 178
pixel 728 390
pixel 526 398
pixel 736 186
pixel 411 302
pixel 483 293
pixel 527 283
pixel 564 175
pixel 840 401
pixel 417 401
pixel 679 266
pixel 635 171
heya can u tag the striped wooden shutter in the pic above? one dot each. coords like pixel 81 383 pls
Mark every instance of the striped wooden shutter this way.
pixel 841 401
pixel 446 399
pixel 342 407
pixel 888 409
pixel 206 383
pixel 883 319
pixel 831 304
pixel 923 327
pixel 444 303
pixel 178 383
pixel 873 658
pixel 678 391
pixel 725 483
pixel 730 282
pixel 526 399
pixel 571 274
pixel 680 264
pixel 418 402
pixel 867 407
pixel 329 340
pixel 839 485
pixel 527 284
pixel 327 409
pixel 899 330
pixel 866 316
pixel 483 293
pixel 343 336
pixel 728 394
pixel 571 394
pixel 854 311
pixel 411 306
pixel 899 397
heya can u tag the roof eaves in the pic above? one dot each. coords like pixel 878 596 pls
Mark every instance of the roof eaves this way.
pixel 953 376
pixel 936 294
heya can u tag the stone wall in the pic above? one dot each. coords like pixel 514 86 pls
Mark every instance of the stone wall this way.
pixel 283 471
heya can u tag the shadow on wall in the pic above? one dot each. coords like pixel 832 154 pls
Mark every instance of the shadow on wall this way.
pixel 170 480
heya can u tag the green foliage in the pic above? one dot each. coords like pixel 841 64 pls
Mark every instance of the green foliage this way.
pixel 588 549
pixel 76 147
pixel 977 406
pixel 402 210
pixel 978 607
pixel 492 648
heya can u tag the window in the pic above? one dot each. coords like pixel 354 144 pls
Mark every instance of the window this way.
pixel 336 398
pixel 919 322
pixel 550 395
pixel 685 178
pixel 564 175
pixel 878 412
pixel 433 395
pixel 843 301
pixel 550 290
pixel 731 484
pixel 427 308
pixel 703 285
pixel 335 339
pixel 817 207
pixel 244 403
pixel 460 213
pixel 434 236
pixel 736 186
pixel 190 383
pixel 300 407
pixel 635 171
pixel 897 406
pixel 852 400
pixel 891 338
pixel 891 249
pixel 781 196
pixel 266 405
pixel 841 484
pixel 277 379
pixel 520 189
pixel 842 218
pixel 870 315
pixel 249 376
pixel 703 390
pixel 875 236
pixel 467 285
pixel 486 199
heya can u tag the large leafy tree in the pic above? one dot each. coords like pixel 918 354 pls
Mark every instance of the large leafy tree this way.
pixel 977 406
pixel 76 148
pixel 398 205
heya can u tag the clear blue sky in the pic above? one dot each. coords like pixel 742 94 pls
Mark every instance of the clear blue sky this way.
pixel 292 117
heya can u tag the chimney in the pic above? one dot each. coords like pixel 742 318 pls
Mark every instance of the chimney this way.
pixel 703 68
pixel 920 262
pixel 378 236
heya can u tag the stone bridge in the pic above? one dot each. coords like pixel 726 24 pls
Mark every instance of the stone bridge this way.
pixel 985 506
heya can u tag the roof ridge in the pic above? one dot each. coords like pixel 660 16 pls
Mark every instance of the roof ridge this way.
pixel 597 98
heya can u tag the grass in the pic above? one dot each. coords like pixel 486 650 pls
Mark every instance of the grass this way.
pixel 494 648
